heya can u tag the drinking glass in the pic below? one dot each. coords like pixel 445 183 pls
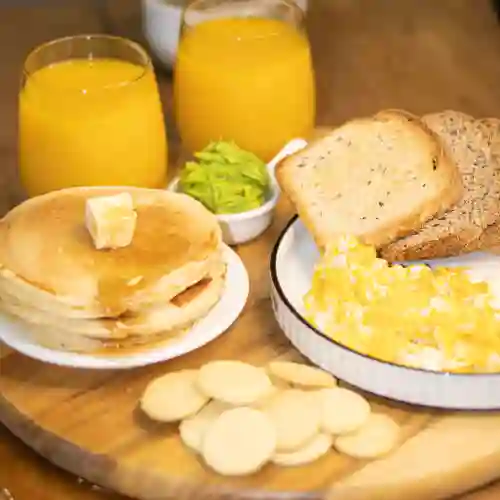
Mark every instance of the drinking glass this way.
pixel 90 115
pixel 244 73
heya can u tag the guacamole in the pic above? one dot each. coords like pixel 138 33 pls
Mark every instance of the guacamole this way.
pixel 226 179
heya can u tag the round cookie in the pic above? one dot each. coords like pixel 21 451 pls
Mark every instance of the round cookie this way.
pixel 173 396
pixel 265 400
pixel 300 375
pixel 239 442
pixel 296 417
pixel 310 452
pixel 192 429
pixel 275 381
pixel 378 436
pixel 342 410
pixel 233 382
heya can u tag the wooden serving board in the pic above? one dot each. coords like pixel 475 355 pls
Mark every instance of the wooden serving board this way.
pixel 88 423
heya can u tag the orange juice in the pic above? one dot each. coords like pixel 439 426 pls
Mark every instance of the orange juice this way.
pixel 91 122
pixel 244 79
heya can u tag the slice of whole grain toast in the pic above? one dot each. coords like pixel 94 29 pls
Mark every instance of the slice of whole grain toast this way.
pixel 490 237
pixel 467 142
pixel 378 178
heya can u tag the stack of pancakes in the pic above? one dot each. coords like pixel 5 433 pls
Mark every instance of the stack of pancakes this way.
pixel 78 298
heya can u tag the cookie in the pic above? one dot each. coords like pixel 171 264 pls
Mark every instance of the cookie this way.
pixel 342 410
pixel 296 417
pixel 173 396
pixel 377 437
pixel 308 453
pixel 301 375
pixel 233 382
pixel 239 442
pixel 192 429
pixel 265 401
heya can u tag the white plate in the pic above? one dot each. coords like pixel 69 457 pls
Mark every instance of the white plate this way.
pixel 292 265
pixel 220 318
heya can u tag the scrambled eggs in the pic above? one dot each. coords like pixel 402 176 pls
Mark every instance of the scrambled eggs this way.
pixel 436 319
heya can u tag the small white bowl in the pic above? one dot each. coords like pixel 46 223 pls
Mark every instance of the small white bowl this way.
pixel 292 265
pixel 246 226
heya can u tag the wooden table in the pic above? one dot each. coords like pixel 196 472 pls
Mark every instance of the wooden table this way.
pixel 421 55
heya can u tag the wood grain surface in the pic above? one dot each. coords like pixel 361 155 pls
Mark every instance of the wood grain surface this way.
pixel 87 422
pixel 417 54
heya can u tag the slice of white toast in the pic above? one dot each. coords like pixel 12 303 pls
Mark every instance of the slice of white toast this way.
pixel 471 143
pixel 378 178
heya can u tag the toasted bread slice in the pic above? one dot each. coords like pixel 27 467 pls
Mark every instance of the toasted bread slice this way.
pixel 455 231
pixel 488 240
pixel 378 178
pixel 491 128
pixel 490 237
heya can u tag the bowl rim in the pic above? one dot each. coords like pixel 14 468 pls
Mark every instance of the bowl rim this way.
pixel 312 329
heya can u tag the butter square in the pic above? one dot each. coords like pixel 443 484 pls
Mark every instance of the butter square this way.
pixel 111 220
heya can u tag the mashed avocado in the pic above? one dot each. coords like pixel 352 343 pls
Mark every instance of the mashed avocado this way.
pixel 226 179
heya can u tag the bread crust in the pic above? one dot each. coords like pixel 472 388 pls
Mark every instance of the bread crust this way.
pixel 488 240
pixel 450 187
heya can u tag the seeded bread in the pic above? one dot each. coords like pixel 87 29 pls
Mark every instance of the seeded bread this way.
pixel 490 237
pixel 455 231
pixel 489 240
pixel 491 128
pixel 378 178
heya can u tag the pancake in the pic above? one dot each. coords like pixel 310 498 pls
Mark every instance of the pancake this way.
pixel 54 279
pixel 58 339
pixel 167 287
pixel 44 243
pixel 192 303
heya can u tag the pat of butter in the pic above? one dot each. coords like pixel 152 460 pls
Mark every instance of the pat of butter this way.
pixel 111 220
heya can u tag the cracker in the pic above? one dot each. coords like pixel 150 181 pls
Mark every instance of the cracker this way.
pixel 277 383
pixel 310 452
pixel 239 442
pixel 265 401
pixel 375 439
pixel 233 382
pixel 173 396
pixel 296 417
pixel 342 410
pixel 301 375
pixel 192 429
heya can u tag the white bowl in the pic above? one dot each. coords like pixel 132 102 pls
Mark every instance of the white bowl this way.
pixel 246 226
pixel 292 262
pixel 161 25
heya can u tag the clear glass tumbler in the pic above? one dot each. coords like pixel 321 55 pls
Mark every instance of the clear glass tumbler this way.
pixel 244 73
pixel 90 114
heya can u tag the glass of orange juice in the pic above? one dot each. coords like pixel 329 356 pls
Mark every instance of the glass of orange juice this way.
pixel 244 73
pixel 90 114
